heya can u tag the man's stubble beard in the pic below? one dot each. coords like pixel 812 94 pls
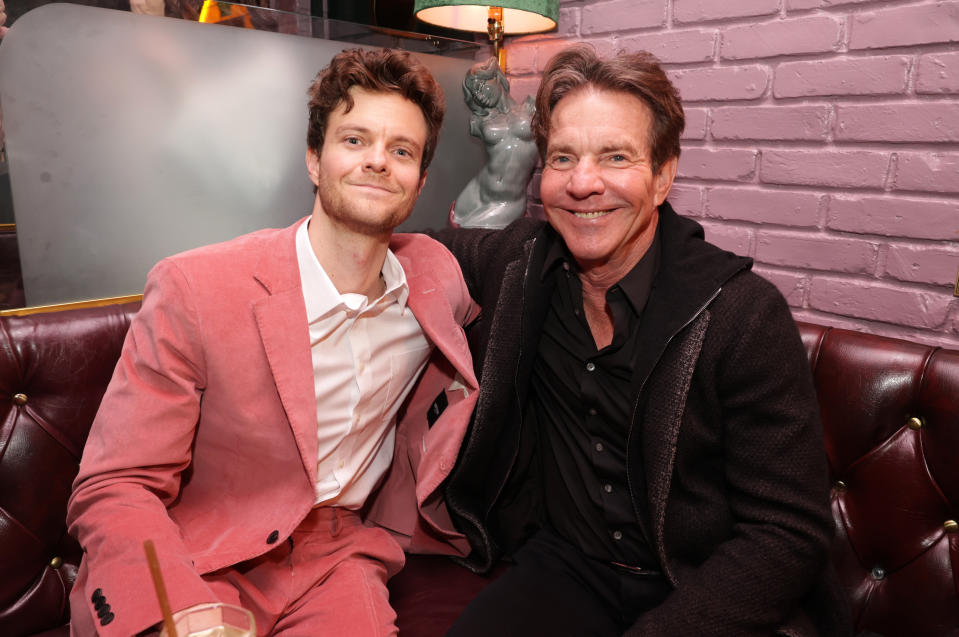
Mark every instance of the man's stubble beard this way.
pixel 350 214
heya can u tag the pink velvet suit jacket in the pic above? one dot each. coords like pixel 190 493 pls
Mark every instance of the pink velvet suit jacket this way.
pixel 206 438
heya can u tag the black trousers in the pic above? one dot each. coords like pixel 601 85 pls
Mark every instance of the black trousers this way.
pixel 554 590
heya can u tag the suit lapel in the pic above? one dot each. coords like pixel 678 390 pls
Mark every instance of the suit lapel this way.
pixel 431 307
pixel 281 321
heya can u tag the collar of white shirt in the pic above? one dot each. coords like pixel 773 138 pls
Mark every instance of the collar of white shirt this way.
pixel 322 297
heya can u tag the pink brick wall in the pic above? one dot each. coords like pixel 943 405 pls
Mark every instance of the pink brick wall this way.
pixel 822 140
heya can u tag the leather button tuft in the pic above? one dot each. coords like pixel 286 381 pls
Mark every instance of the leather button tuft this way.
pixel 56 562
pixel 878 572
pixel 274 536
pixel 915 423
pixel 19 399
pixel 951 526
pixel 106 619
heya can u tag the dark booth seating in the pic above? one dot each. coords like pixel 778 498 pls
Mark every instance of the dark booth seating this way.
pixel 890 411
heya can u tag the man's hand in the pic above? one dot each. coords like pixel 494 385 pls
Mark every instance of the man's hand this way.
pixel 3 19
pixel 147 7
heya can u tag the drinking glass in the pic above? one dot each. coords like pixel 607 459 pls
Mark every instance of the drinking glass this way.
pixel 214 620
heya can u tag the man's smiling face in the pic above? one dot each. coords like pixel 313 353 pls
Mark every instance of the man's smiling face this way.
pixel 598 187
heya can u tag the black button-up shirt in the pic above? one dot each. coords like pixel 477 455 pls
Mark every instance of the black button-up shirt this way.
pixel 582 401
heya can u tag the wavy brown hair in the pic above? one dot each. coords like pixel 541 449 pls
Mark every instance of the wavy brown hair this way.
pixel 383 71
pixel 638 74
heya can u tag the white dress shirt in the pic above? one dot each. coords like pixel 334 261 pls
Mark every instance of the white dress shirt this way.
pixel 367 355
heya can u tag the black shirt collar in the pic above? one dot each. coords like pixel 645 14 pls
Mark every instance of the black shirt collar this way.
pixel 637 283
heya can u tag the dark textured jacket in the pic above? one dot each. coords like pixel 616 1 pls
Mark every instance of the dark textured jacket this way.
pixel 725 431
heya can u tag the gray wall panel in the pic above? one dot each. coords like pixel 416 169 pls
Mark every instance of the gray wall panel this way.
pixel 133 137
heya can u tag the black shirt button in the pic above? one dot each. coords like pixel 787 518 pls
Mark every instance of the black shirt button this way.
pixel 103 611
pixel 106 619
pixel 97 595
pixel 274 536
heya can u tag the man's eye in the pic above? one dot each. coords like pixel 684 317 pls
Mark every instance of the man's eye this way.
pixel 617 157
pixel 402 152
pixel 353 140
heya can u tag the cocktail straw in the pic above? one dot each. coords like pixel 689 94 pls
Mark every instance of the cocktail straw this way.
pixel 160 587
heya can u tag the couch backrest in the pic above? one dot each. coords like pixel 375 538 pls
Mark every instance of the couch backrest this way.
pixel 54 368
pixel 890 413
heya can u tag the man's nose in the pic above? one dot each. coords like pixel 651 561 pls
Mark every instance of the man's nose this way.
pixel 585 180
pixel 376 158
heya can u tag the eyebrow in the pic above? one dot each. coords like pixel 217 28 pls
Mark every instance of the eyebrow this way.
pixel 353 128
pixel 604 149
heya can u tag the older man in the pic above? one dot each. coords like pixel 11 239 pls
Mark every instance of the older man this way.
pixel 646 444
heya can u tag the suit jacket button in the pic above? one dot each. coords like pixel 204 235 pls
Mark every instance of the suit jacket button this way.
pixel 106 619
pixel 97 596
pixel 103 611
pixel 274 536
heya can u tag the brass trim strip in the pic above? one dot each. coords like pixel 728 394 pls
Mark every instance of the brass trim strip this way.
pixel 8 227
pixel 60 307
pixel 955 290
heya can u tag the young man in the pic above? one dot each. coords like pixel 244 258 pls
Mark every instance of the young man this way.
pixel 646 443
pixel 268 383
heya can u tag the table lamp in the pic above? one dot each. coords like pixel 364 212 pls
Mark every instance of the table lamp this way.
pixel 497 18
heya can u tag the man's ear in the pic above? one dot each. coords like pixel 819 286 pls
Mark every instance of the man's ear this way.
pixel 313 166
pixel 664 179
pixel 419 188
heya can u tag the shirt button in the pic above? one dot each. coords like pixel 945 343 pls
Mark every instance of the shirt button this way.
pixel 608 488
pixel 274 536
pixel 617 535
pixel 590 367
pixel 591 412
pixel 599 446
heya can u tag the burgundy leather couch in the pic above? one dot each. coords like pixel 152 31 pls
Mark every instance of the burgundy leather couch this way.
pixel 890 411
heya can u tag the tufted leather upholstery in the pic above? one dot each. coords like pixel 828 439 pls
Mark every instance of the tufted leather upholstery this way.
pixel 54 369
pixel 890 412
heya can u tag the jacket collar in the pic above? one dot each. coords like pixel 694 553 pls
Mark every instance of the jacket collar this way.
pixel 281 321
pixel 430 303
pixel 691 273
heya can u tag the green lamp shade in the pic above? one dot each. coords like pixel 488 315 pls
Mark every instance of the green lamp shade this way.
pixel 519 16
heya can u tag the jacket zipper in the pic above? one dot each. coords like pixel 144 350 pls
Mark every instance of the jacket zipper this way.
pixel 632 422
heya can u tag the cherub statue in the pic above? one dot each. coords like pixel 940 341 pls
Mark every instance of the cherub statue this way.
pixel 497 195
